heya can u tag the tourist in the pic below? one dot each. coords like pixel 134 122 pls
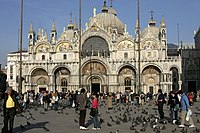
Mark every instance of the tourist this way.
pixel 95 109
pixel 45 101
pixel 10 108
pixel 173 102
pixel 110 101
pixel 185 108
pixel 81 100
pixel 160 102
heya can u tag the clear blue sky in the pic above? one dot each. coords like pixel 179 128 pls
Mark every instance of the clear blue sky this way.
pixel 42 13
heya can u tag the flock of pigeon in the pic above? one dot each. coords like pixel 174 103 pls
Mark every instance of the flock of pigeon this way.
pixel 140 119
pixel 121 119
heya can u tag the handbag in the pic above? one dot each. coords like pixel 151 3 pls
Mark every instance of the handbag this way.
pixel 176 107
pixel 18 110
pixel 93 112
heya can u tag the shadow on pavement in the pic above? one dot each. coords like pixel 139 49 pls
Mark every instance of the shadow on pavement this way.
pixel 19 129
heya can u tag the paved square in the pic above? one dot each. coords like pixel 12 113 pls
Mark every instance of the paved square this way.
pixel 67 121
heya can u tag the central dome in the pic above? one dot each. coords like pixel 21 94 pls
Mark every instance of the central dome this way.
pixel 110 20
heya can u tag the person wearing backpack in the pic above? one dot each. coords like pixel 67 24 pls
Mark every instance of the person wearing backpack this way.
pixel 160 102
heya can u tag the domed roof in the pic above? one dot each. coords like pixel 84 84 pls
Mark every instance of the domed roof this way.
pixel 150 32
pixel 109 20
pixel 66 34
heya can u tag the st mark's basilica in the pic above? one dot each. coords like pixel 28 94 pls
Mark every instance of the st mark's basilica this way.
pixel 109 58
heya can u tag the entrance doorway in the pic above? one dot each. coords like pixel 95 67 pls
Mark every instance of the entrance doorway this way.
pixel 42 89
pixel 95 87
pixel 151 89
pixel 192 86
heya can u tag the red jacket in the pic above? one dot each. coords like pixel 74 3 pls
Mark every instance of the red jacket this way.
pixel 94 103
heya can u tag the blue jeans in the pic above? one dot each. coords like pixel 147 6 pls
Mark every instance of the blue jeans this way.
pixel 96 121
pixel 172 113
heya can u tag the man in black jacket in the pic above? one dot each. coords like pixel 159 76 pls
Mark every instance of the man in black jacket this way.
pixel 10 107
pixel 160 103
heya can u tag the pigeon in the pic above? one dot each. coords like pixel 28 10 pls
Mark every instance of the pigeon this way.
pixel 46 129
pixel 143 129
pixel 109 124
pixel 174 130
pixel 75 121
pixel 118 122
pixel 28 123
pixel 21 126
pixel 163 127
pixel 101 120
pixel 41 112
pixel 32 118
pixel 198 121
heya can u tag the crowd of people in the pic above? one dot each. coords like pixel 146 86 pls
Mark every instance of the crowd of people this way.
pixel 81 100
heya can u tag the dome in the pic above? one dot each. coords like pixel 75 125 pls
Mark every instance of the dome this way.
pixel 109 20
pixel 66 35
pixel 150 32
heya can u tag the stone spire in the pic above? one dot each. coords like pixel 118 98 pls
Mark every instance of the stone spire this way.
pixel 53 29
pixel 112 10
pixel 70 25
pixel 152 22
pixel 31 28
pixel 75 25
pixel 104 8
pixel 162 24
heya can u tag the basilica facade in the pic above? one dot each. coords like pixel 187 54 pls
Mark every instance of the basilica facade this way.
pixel 107 53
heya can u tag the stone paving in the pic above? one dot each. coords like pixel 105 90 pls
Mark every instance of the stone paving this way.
pixel 66 121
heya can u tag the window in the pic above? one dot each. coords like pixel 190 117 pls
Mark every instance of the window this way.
pixel 11 69
pixel 30 37
pixel 64 56
pixel 63 82
pixel 11 76
pixel 43 57
pixel 127 82
pixel 125 55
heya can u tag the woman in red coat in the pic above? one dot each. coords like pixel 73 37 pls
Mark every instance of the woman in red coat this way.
pixel 95 117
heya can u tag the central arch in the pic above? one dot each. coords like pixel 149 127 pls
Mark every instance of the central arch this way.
pixel 95 77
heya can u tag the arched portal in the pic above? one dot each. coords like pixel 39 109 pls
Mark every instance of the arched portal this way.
pixel 39 80
pixel 62 78
pixel 127 79
pixel 95 77
pixel 151 78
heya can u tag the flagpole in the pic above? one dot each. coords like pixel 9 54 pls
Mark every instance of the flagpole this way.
pixel 80 5
pixel 20 68
pixel 139 80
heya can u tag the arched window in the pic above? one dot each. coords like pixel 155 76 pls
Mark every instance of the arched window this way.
pixel 43 57
pixel 175 78
pixel 64 83
pixel 125 55
pixel 64 56
pixel 127 82
pixel 30 37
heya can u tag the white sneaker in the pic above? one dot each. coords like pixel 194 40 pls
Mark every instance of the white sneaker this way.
pixel 174 122
pixel 83 128
pixel 94 128
pixel 192 125
pixel 98 128
pixel 181 126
